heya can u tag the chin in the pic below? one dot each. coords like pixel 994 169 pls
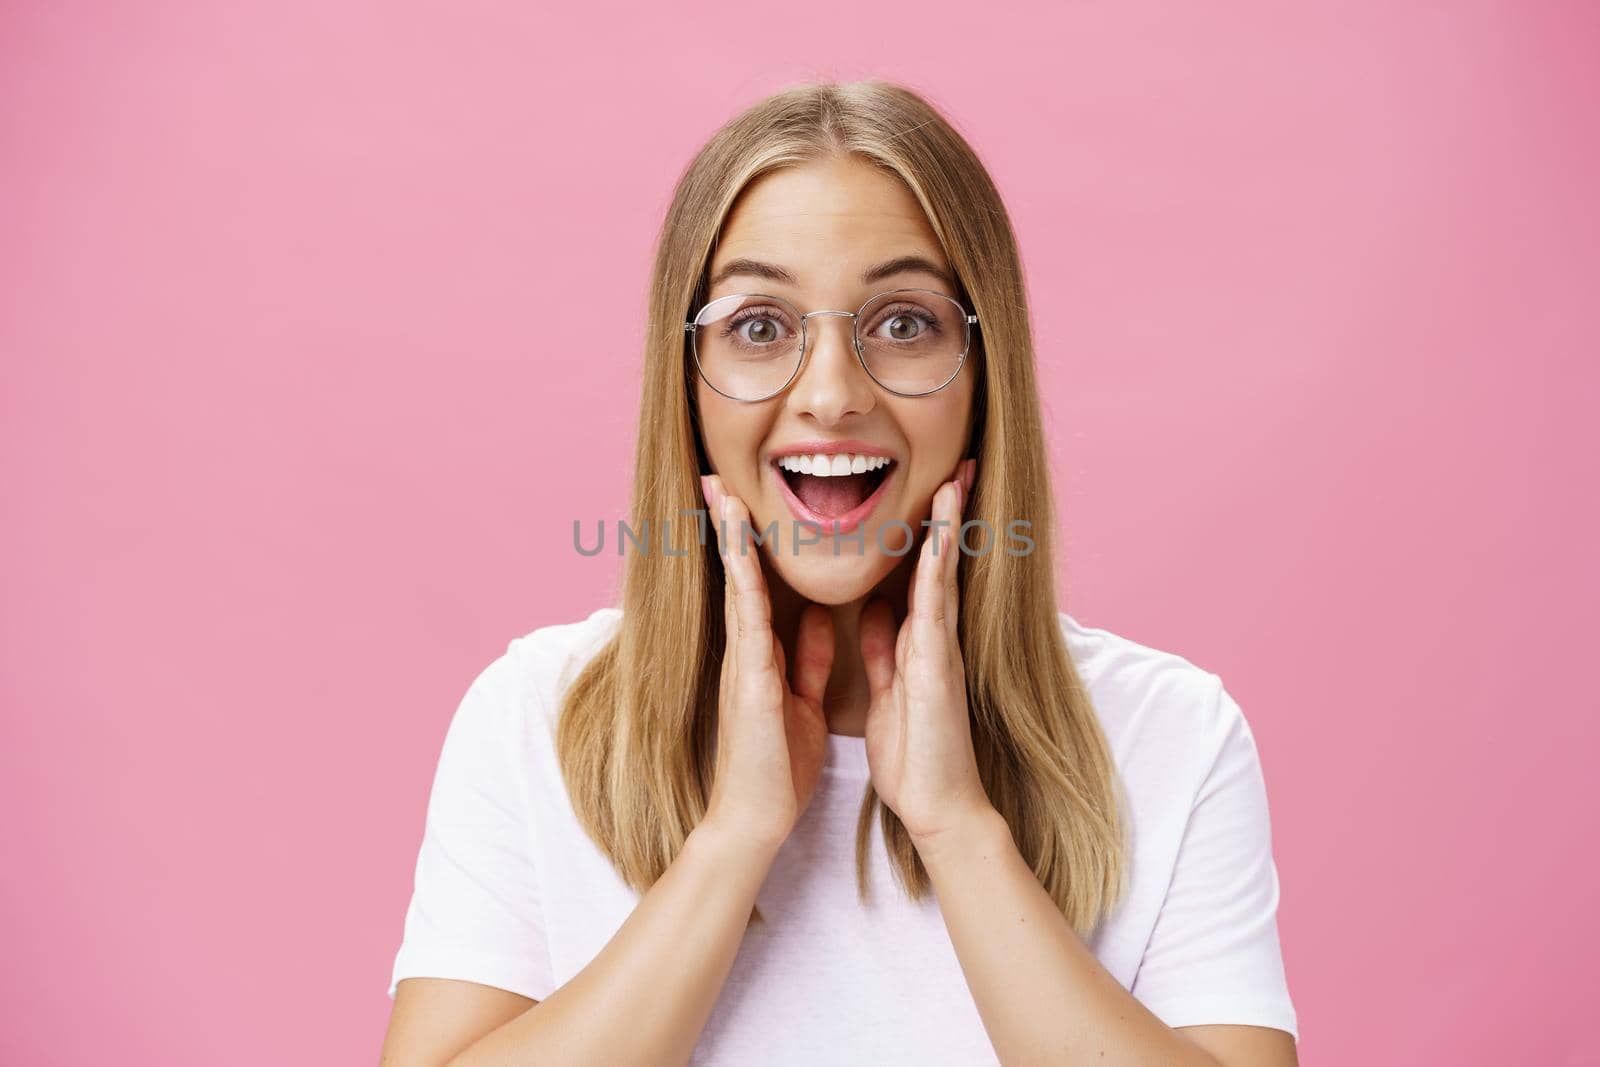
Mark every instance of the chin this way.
pixel 823 578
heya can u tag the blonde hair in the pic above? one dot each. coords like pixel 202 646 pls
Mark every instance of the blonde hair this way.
pixel 637 731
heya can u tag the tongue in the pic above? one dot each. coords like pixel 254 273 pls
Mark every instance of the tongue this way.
pixel 831 497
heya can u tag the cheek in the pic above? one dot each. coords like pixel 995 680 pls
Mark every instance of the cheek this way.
pixel 937 433
pixel 731 432
pixel 717 424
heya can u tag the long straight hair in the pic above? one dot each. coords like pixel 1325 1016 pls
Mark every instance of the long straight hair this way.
pixel 637 732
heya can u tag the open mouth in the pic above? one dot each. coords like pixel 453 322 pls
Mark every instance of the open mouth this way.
pixel 836 491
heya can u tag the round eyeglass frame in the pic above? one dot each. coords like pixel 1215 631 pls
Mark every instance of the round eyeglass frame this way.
pixel 968 320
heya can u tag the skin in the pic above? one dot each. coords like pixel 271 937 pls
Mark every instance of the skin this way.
pixel 852 644
pixel 826 224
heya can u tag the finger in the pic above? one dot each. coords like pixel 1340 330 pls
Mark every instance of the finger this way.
pixel 741 541
pixel 730 624
pixel 737 656
pixel 879 643
pixel 934 628
pixel 952 565
pixel 714 497
pixel 708 494
pixel 751 609
pixel 813 654
pixel 927 585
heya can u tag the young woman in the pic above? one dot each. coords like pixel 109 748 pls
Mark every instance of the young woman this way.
pixel 860 792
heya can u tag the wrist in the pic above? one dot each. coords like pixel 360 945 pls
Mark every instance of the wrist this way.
pixel 736 842
pixel 970 832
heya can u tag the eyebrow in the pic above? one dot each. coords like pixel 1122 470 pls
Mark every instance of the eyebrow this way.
pixel 899 265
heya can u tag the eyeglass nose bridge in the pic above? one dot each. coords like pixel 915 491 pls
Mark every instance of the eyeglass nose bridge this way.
pixel 805 329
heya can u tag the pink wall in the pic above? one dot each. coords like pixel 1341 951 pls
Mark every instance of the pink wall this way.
pixel 320 324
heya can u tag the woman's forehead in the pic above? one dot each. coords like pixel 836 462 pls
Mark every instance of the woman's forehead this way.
pixel 805 251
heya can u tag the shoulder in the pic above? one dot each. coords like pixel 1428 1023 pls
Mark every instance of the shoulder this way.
pixel 1158 709
pixel 501 738
pixel 543 663
pixel 552 656
pixel 519 691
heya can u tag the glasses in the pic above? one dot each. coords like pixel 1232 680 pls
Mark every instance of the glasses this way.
pixel 750 346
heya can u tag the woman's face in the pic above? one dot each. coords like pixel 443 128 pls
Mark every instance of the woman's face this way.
pixel 826 225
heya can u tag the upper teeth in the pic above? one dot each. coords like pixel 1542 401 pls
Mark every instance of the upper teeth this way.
pixel 822 466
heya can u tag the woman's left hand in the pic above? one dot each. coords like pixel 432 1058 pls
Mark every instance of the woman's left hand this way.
pixel 918 735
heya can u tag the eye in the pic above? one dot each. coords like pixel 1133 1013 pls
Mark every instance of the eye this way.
pixel 757 326
pixel 904 327
pixel 905 324
pixel 761 330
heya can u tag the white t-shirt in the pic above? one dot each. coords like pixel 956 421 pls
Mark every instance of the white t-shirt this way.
pixel 510 892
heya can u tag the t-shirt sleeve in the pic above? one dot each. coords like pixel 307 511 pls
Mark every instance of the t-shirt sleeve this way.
pixel 475 912
pixel 1214 956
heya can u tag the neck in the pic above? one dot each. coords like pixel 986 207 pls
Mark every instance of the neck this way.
pixel 845 702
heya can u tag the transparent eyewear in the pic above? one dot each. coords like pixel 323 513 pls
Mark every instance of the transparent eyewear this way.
pixel 751 346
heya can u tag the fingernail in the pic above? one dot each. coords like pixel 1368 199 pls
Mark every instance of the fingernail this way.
pixel 961 496
pixel 969 473
pixel 705 488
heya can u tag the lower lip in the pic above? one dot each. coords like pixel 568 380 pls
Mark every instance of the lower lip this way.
pixel 838 524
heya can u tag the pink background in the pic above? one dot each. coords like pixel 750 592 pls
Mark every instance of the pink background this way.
pixel 321 322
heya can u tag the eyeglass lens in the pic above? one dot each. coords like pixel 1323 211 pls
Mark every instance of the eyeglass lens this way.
pixel 749 347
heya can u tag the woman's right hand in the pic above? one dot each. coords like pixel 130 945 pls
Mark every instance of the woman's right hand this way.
pixel 772 737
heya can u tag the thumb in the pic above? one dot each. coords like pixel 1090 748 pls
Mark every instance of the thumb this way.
pixel 877 646
pixel 813 654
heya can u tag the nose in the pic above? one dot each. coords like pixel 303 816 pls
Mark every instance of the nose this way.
pixel 833 384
